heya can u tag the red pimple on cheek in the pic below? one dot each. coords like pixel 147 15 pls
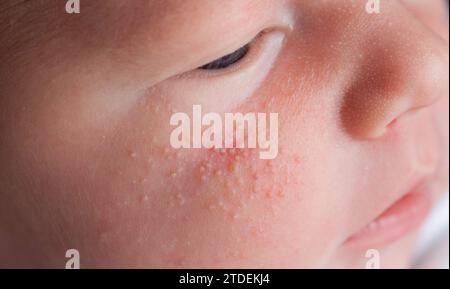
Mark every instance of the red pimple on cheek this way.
pixel 221 162
pixel 269 166
pixel 232 178
pixel 231 167
pixel 224 176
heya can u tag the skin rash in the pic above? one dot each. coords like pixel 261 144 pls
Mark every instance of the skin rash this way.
pixel 85 105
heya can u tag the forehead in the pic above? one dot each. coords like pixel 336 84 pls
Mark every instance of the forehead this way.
pixel 157 16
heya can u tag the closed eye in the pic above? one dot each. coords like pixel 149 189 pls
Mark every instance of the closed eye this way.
pixel 227 60
pixel 264 44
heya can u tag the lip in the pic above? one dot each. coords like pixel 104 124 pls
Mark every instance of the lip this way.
pixel 401 218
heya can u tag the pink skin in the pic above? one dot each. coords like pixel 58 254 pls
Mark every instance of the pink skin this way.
pixel 84 147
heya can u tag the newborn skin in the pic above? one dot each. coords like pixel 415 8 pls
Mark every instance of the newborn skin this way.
pixel 85 155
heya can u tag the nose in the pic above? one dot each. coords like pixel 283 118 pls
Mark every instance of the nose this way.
pixel 404 68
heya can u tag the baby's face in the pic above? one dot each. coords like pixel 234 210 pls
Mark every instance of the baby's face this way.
pixel 86 160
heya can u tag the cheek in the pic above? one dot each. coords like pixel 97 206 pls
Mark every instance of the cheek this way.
pixel 213 207
pixel 124 197
pixel 441 112
pixel 228 206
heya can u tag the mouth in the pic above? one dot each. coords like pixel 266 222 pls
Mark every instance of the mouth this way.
pixel 401 218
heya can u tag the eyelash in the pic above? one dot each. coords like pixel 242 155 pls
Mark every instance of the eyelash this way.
pixel 227 60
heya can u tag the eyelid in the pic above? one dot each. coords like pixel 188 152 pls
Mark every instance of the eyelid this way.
pixel 256 50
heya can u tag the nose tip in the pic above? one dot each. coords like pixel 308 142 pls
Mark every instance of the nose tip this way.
pixel 431 78
pixel 428 82
pixel 391 85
